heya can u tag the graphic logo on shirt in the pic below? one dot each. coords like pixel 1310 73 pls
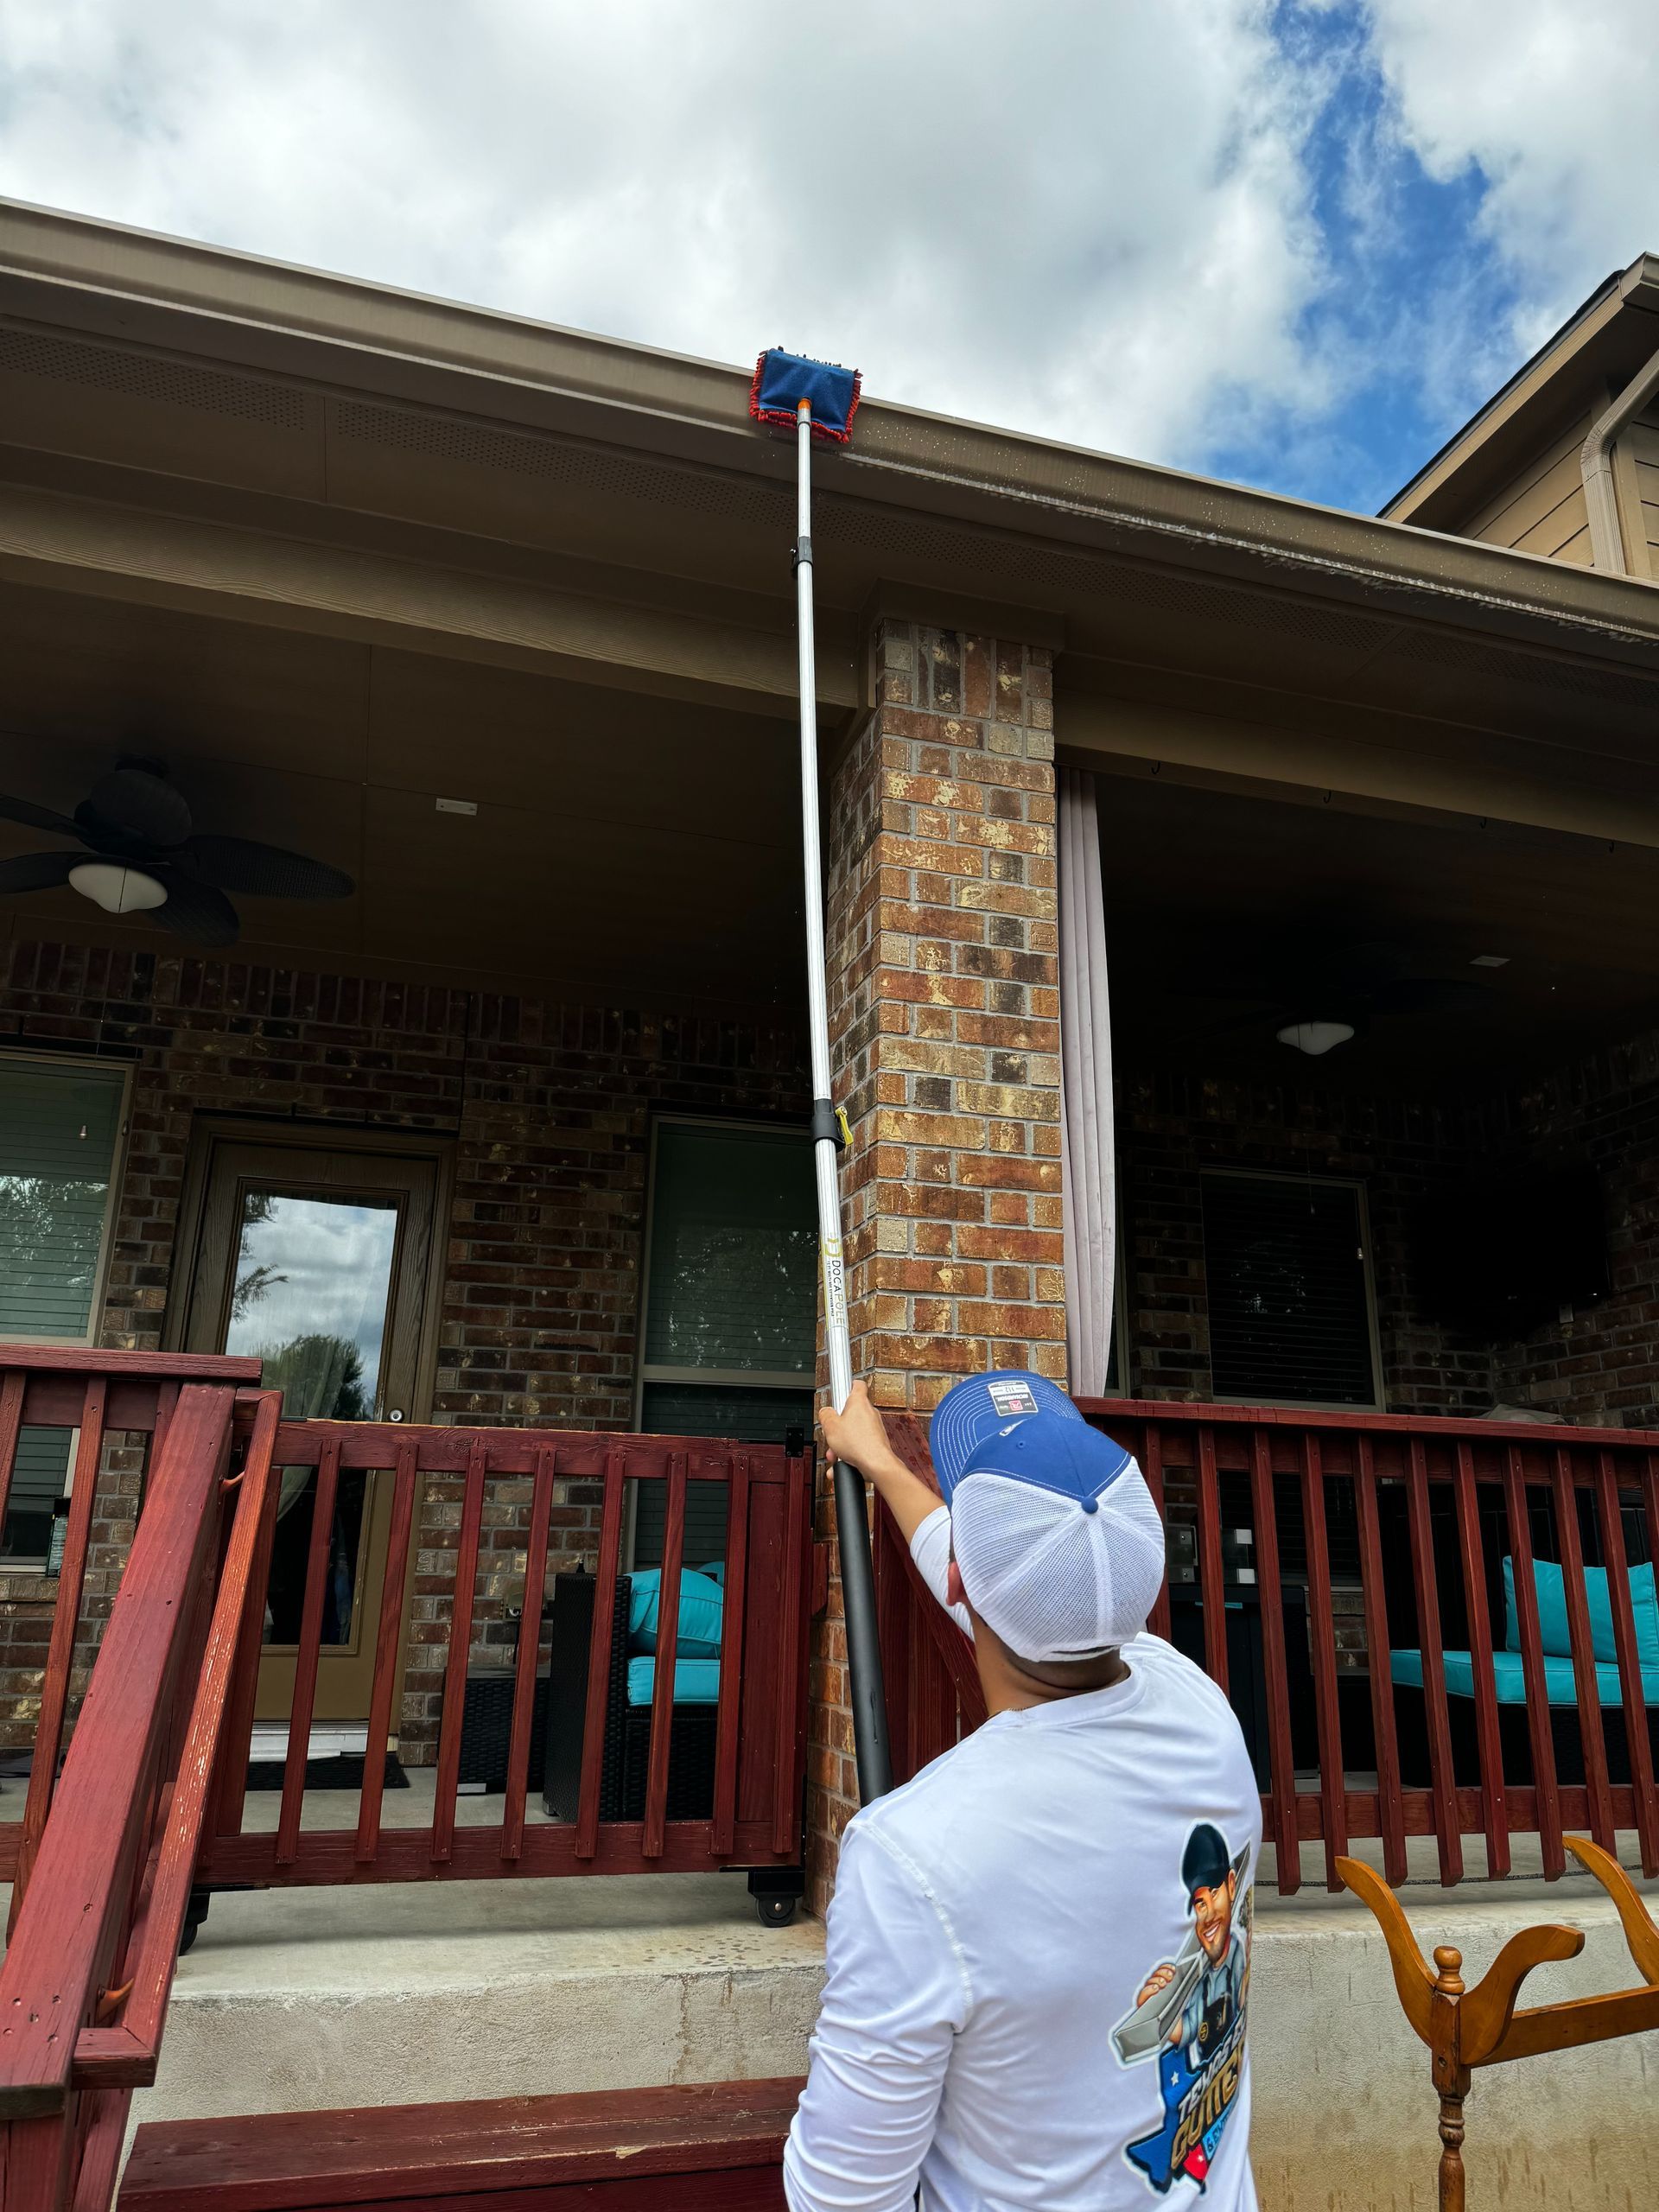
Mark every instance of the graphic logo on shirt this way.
pixel 1190 2017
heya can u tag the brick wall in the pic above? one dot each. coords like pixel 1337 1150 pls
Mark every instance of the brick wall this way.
pixel 943 926
pixel 1598 1365
pixel 1170 1128
pixel 548 1110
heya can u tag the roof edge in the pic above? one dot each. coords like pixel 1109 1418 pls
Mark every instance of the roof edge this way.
pixel 351 332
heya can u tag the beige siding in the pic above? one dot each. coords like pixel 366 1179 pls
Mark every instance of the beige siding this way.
pixel 1644 447
pixel 1540 508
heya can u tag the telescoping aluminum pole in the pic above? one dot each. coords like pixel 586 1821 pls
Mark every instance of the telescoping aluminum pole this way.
pixel 852 1523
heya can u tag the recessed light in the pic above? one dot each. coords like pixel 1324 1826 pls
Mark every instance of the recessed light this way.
pixel 457 806
pixel 1490 960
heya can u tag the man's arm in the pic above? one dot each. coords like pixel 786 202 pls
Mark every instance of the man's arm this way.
pixel 895 1996
pixel 858 1434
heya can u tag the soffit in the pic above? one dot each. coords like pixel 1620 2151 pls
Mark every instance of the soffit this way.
pixel 1199 880
pixel 605 859
pixel 1157 577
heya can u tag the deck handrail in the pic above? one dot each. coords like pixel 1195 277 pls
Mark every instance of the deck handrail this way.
pixel 1453 1529
pixel 101 1905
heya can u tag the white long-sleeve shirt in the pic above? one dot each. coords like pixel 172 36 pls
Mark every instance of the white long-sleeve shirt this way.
pixel 993 1924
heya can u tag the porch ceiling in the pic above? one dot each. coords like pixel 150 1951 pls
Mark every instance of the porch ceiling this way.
pixel 1204 885
pixel 609 857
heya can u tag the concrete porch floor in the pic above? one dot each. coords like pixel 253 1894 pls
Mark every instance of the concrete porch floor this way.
pixel 306 1999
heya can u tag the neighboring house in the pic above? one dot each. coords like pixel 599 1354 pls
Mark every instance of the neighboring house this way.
pixel 497 617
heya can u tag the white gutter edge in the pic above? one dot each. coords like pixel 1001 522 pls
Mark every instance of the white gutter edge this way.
pixel 1596 464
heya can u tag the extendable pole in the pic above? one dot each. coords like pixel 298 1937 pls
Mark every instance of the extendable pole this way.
pixel 852 1520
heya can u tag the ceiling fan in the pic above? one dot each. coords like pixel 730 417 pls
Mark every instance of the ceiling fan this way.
pixel 142 857
pixel 1320 988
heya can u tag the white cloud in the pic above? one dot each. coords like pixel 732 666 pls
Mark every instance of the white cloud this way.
pixel 1092 219
pixel 1556 102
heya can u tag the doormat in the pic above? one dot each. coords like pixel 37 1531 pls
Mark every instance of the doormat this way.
pixel 344 1771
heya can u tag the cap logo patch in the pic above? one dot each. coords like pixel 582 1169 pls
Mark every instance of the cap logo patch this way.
pixel 1011 1398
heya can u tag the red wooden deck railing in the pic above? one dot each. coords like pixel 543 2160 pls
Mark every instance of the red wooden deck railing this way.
pixel 1315 1557
pixel 98 1398
pixel 759 1725
pixel 84 1982
pixel 150 1797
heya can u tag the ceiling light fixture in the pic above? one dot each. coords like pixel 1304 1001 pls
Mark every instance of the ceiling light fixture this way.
pixel 1490 960
pixel 1315 1037
pixel 117 889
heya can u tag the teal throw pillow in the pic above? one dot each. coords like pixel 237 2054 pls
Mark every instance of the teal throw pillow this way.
pixel 703 1609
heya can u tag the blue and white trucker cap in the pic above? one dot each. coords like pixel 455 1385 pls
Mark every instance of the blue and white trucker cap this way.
pixel 1060 1546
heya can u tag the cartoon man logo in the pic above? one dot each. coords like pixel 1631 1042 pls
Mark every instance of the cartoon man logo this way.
pixel 1190 2014
pixel 1212 1886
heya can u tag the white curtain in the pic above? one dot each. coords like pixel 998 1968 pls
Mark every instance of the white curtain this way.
pixel 1090 1213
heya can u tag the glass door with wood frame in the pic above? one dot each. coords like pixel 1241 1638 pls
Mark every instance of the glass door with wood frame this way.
pixel 316 1258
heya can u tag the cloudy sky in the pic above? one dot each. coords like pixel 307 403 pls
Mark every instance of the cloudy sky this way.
pixel 1292 243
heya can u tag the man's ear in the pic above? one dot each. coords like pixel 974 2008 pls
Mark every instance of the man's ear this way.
pixel 953 1589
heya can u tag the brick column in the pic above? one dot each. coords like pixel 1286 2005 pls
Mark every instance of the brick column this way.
pixel 944 1025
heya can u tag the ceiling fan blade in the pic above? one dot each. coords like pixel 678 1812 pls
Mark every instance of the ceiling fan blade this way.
pixel 38 817
pixel 262 871
pixel 38 871
pixel 136 801
pixel 194 910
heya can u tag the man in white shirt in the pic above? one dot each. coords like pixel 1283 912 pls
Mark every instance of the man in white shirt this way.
pixel 1038 1948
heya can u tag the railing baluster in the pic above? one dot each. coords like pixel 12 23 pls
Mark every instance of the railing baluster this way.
pixel 1212 1593
pixel 230 1788
pixel 11 1422
pixel 731 1656
pixel 785 1819
pixel 668 1641
pixel 916 1681
pixel 1633 1703
pixel 405 1482
pixel 599 1659
pixel 1152 1467
pixel 1443 1781
pixel 1546 1796
pixel 310 1650
pixel 1379 1655
pixel 530 1647
pixel 60 1650
pixel 1494 1801
pixel 1564 1492
pixel 1322 1645
pixel 461 1638
pixel 1286 1842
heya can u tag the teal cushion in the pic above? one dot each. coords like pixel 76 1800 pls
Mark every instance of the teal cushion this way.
pixel 696 1681
pixel 703 1609
pixel 715 1572
pixel 1551 1586
pixel 1509 1679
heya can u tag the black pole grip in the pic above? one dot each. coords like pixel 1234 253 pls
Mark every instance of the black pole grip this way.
pixel 865 1688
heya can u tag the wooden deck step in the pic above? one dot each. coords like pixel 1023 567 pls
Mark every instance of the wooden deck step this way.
pixel 708 2147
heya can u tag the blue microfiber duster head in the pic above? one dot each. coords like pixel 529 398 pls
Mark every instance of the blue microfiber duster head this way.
pixel 783 380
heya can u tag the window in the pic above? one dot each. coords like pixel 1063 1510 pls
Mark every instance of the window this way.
pixel 729 1326
pixel 59 1127
pixel 1290 1312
